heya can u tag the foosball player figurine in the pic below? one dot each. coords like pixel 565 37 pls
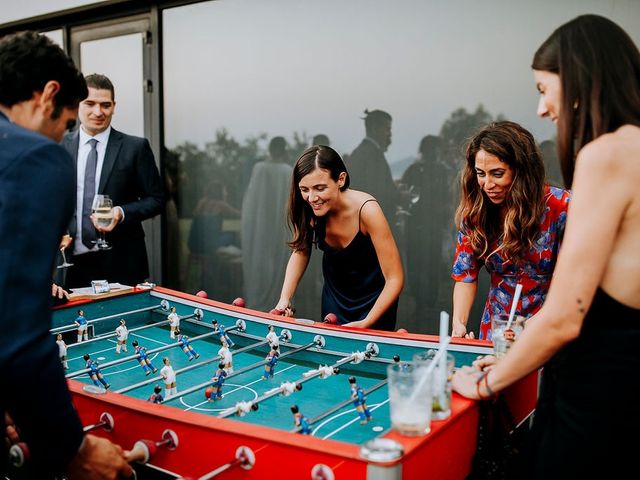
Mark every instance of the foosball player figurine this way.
pixel 272 338
pixel 94 372
pixel 156 396
pixel 174 322
pixel 81 323
pixel 143 360
pixel 300 421
pixel 183 340
pixel 169 376
pixel 360 401
pixel 219 330
pixel 214 392
pixel 62 351
pixel 272 360
pixel 226 357
pixel 122 335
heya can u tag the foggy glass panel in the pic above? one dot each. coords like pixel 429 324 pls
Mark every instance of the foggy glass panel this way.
pixel 120 59
pixel 56 36
pixel 239 74
pixel 32 8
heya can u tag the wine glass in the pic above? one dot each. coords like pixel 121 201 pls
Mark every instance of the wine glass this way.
pixel 63 247
pixel 103 215
pixel 64 263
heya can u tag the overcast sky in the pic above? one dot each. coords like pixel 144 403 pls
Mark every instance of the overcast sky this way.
pixel 279 66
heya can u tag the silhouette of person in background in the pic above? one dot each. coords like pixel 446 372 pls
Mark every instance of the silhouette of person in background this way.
pixel 321 139
pixel 368 166
pixel 207 235
pixel 427 180
pixel 264 227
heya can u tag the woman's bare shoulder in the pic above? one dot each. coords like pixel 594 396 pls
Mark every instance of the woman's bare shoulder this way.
pixel 616 153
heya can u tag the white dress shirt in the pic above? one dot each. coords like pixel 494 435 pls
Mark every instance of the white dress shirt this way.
pixel 83 152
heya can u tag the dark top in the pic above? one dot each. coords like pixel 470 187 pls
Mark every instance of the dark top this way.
pixel 353 279
pixel 587 418
pixel 37 191
pixel 370 172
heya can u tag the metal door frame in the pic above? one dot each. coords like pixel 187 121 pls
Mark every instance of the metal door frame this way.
pixel 148 24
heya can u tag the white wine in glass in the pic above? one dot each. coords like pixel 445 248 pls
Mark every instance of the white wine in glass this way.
pixel 103 214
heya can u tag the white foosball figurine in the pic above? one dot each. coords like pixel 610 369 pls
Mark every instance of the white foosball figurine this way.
pixel 358 357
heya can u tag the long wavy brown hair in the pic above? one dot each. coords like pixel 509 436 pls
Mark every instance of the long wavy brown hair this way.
pixel 300 214
pixel 599 68
pixel 524 203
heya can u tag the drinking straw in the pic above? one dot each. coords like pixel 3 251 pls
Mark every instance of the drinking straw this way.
pixel 442 351
pixel 514 304
pixel 444 330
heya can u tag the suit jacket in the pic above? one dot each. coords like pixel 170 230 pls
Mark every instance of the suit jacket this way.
pixel 130 177
pixel 369 171
pixel 37 190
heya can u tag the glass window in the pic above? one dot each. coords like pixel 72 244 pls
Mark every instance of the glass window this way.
pixel 243 75
pixel 120 59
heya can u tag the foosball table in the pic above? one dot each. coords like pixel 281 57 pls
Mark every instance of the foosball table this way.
pixel 244 427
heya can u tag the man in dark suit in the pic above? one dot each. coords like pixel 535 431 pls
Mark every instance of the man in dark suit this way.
pixel 122 166
pixel 368 167
pixel 39 93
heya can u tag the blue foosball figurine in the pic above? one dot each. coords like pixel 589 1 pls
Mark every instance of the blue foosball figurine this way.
pixel 360 401
pixel 300 421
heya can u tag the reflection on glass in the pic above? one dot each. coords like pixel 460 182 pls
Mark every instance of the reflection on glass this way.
pixel 267 74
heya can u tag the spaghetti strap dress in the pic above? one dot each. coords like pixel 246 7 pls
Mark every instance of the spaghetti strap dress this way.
pixel 587 419
pixel 353 279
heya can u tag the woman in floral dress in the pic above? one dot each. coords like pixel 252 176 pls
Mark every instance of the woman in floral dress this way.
pixel 509 221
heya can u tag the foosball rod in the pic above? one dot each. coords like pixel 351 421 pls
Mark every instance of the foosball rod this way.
pixel 105 422
pixel 188 368
pixel 144 450
pixel 271 393
pixel 77 373
pixel 298 385
pixel 341 405
pixel 245 458
pixel 19 453
pixel 195 388
pixel 72 326
pixel 110 335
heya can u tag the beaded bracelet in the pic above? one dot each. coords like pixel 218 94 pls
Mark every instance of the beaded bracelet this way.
pixel 478 382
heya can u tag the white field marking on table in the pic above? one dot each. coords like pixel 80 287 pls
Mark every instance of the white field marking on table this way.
pixel 150 339
pixel 202 409
pixel 373 408
pixel 110 349
pixel 231 391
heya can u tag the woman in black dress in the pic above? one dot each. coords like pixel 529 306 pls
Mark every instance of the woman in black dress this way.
pixel 587 333
pixel 361 264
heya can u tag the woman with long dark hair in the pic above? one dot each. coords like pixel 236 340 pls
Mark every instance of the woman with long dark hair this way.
pixel 509 221
pixel 587 332
pixel 361 264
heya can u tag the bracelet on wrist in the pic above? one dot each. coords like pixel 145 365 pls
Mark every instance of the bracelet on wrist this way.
pixel 486 384
pixel 478 382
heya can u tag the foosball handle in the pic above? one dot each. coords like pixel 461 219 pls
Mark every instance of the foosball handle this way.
pixel 19 454
pixel 106 422
pixel 142 451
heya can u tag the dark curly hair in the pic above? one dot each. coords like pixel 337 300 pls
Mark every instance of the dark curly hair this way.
pixel 480 219
pixel 28 60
